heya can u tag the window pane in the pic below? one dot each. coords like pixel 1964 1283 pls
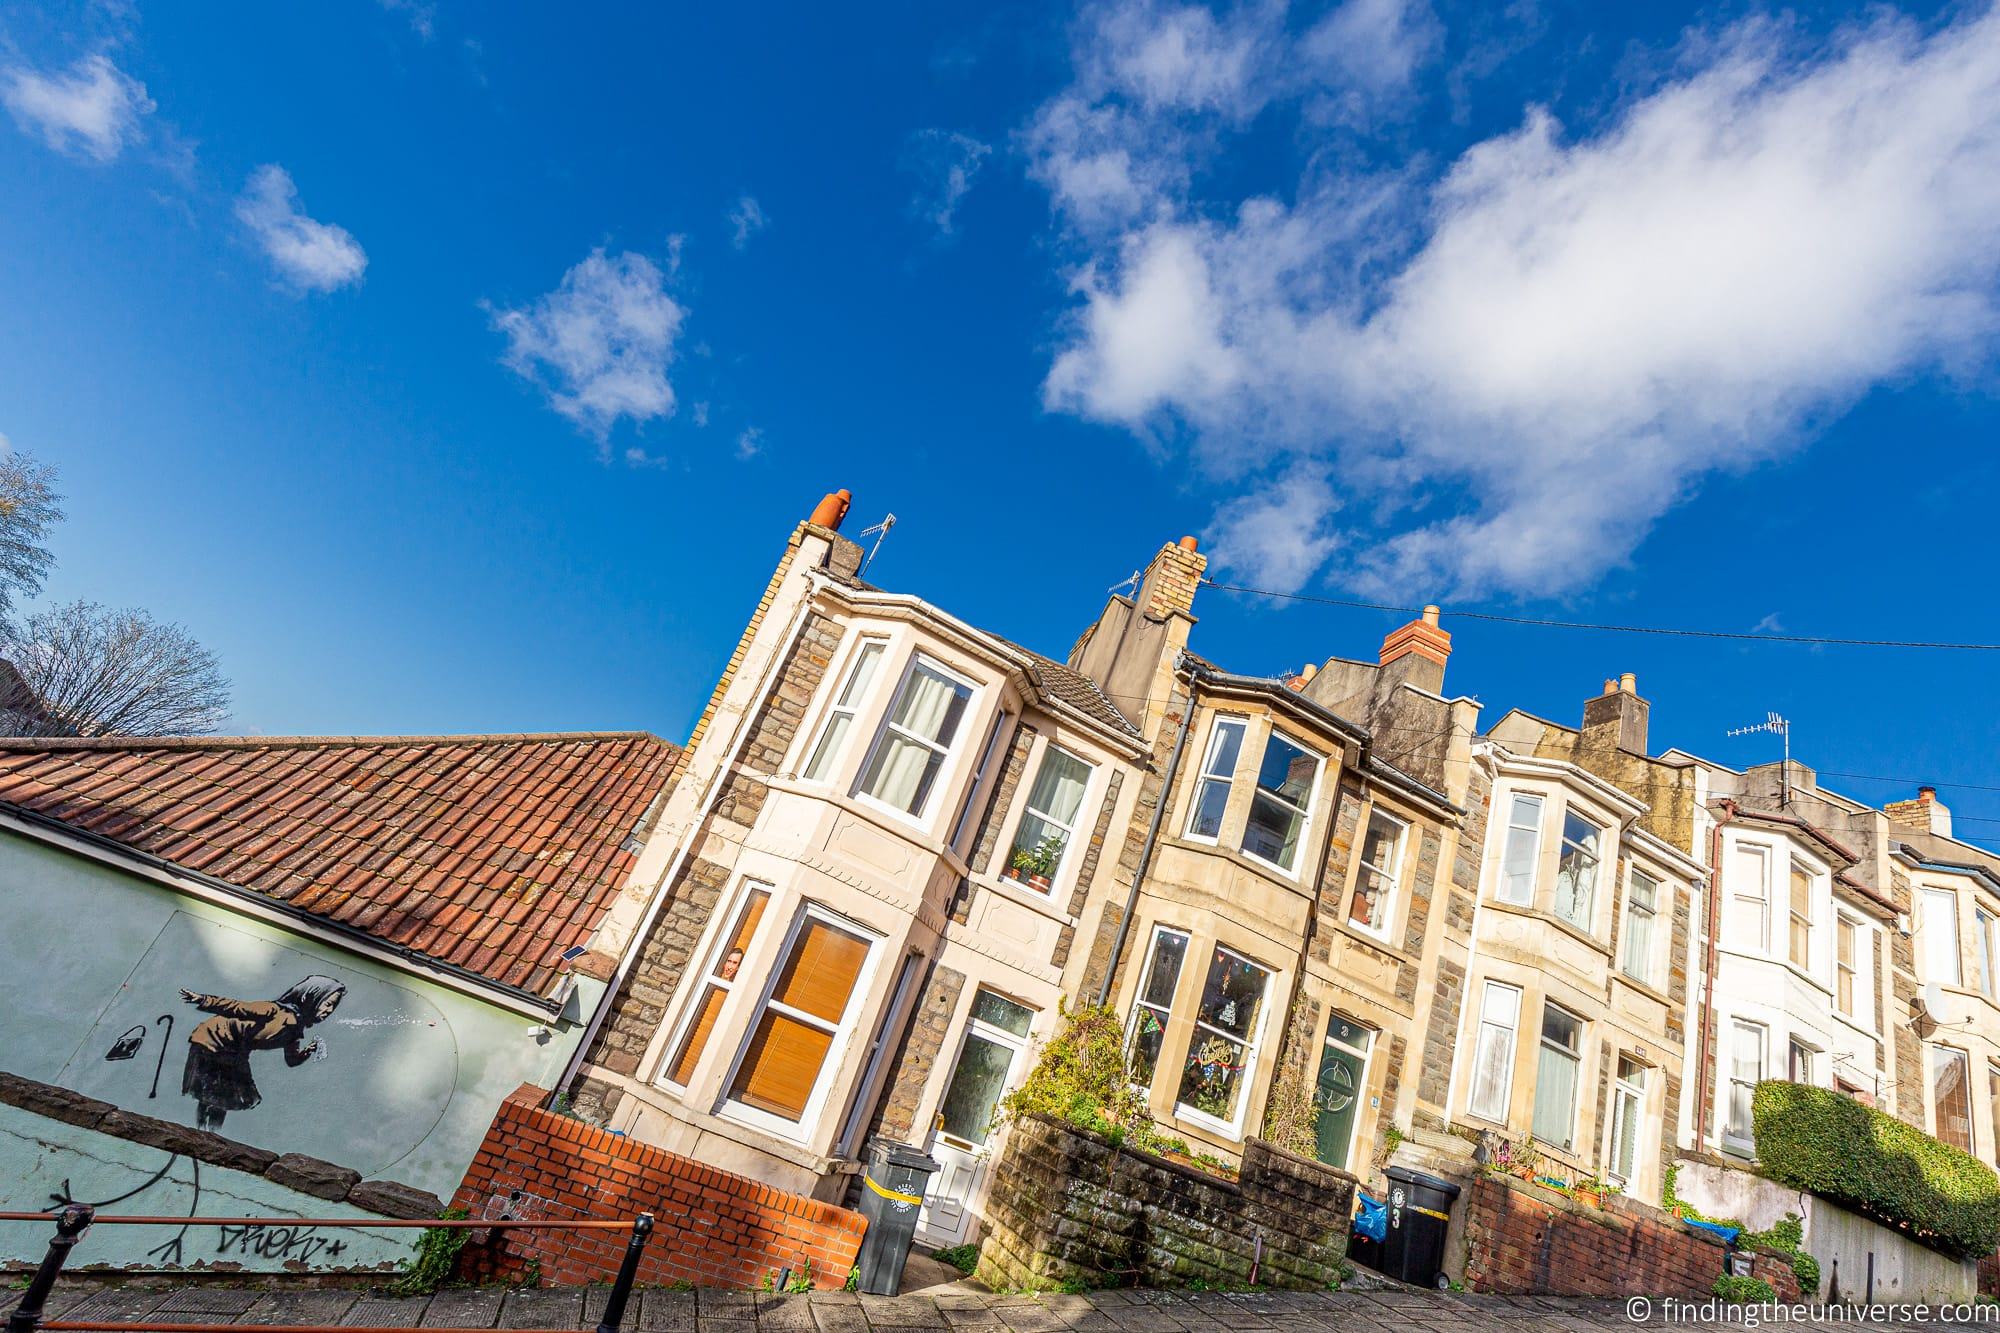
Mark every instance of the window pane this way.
pixel 1272 831
pixel 1376 881
pixel 976 1085
pixel 1576 871
pixel 1233 995
pixel 1746 1069
pixel 1213 1078
pixel 1801 915
pixel 1941 935
pixel 1211 798
pixel 819 976
pixel 781 1066
pixel 1058 789
pixel 863 674
pixel 1555 1097
pixel 1639 912
pixel 1951 1097
pixel 1524 840
pixel 724 968
pixel 1493 1061
pixel 1287 771
pixel 1148 1031
pixel 1223 749
pixel 1002 1013
pixel 1561 1029
pixel 830 742
pixel 901 773
pixel 698 1032
pixel 1165 974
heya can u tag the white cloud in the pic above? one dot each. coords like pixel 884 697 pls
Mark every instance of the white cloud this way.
pixel 600 344
pixel 945 163
pixel 420 15
pixel 746 219
pixel 1524 362
pixel 1368 53
pixel 91 110
pixel 1281 534
pixel 310 255
pixel 749 443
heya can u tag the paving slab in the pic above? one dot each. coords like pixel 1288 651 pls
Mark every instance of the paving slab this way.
pixel 785 1314
pixel 662 1311
pixel 378 1311
pixel 300 1307
pixel 465 1307
pixel 902 1312
pixel 539 1307
pixel 829 1317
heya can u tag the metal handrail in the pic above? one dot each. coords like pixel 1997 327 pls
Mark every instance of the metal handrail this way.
pixel 74 1220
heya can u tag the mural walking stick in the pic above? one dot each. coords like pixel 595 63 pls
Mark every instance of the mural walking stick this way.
pixel 71 1223
pixel 160 1063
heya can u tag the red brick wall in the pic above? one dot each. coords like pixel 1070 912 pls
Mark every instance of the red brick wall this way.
pixel 1524 1240
pixel 712 1228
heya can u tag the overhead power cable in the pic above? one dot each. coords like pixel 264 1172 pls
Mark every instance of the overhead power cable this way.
pixel 1756 636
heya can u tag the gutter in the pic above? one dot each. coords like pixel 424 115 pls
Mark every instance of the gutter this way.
pixel 1152 838
pixel 97 847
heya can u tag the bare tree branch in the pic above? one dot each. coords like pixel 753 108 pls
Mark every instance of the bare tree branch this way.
pixel 81 669
pixel 29 507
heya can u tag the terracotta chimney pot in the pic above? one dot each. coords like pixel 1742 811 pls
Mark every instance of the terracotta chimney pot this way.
pixel 1628 683
pixel 832 509
pixel 1189 544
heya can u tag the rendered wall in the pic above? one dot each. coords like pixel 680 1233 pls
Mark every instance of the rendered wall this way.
pixel 402 1079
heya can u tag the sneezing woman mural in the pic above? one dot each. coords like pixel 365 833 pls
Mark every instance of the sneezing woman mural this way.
pixel 218 1074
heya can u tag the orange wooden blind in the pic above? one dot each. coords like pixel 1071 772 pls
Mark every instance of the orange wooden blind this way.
pixel 819 976
pixel 697 1036
pixel 782 1065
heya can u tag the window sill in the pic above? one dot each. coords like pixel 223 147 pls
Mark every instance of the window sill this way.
pixel 661 1099
pixel 1263 870
pixel 1645 988
pixel 877 815
pixel 1550 919
pixel 1042 904
pixel 1379 943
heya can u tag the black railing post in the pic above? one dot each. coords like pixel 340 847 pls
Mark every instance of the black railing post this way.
pixel 71 1223
pixel 628 1272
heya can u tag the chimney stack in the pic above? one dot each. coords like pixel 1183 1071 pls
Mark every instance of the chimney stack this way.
pixel 1926 814
pixel 1618 716
pixel 1171 580
pixel 1419 651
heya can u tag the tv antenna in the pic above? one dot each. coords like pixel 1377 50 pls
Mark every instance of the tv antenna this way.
pixel 879 531
pixel 1132 583
pixel 1781 728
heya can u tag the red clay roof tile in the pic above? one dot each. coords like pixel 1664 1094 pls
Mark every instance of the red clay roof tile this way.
pixel 488 852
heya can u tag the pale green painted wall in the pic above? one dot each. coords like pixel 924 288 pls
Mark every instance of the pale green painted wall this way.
pixel 43 1160
pixel 409 1074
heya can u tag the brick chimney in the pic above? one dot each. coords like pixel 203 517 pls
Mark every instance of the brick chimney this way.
pixel 1926 814
pixel 1617 717
pixel 1171 580
pixel 1418 652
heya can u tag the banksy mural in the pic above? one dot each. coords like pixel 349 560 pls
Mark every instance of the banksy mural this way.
pixel 278 1051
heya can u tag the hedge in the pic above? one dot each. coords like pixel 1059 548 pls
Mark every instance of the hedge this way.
pixel 1824 1141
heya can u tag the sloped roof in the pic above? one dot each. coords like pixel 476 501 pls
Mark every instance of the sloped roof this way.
pixel 490 853
pixel 1058 680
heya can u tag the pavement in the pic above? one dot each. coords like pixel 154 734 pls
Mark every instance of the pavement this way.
pixel 954 1305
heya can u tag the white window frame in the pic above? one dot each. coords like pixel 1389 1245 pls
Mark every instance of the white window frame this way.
pixel 1947 899
pixel 1596 860
pixel 1575 1056
pixel 1139 1000
pixel 1252 1043
pixel 1628 1100
pixel 1084 810
pixel 1942 1054
pixel 1205 776
pixel 722 928
pixel 1509 832
pixel 1983 925
pixel 1795 866
pixel 1738 1028
pixel 1507 1032
pixel 1645 971
pixel 807 1124
pixel 948 754
pixel 1801 1058
pixel 1848 930
pixel 839 705
pixel 1390 876
pixel 1755 896
pixel 1302 846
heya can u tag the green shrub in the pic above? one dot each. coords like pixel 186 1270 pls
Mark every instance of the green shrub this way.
pixel 964 1258
pixel 1081 1079
pixel 436 1258
pixel 1823 1141
pixel 1806 1269
pixel 1744 1290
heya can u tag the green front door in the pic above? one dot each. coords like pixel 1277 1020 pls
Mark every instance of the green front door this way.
pixel 1343 1065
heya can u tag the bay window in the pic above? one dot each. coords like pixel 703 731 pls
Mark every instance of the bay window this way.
pixel 1493 1051
pixel 915 738
pixel 1147 1027
pixel 1286 780
pixel 1048 823
pixel 1222 1053
pixel 1642 909
pixel 1556 1076
pixel 1381 866
pixel 1940 927
pixel 1523 850
pixel 721 977
pixel 833 733
pixel 806 1013
pixel 1576 870
pixel 1218 771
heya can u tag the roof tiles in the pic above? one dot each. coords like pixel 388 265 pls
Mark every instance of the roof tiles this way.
pixel 427 842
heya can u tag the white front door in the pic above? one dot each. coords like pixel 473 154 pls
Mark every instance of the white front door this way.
pixel 989 1060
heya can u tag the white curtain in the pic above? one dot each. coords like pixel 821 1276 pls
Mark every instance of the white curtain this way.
pixel 1555 1096
pixel 1493 1061
pixel 928 705
pixel 1059 787
pixel 1524 842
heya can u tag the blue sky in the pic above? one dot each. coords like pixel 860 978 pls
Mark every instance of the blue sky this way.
pixel 452 368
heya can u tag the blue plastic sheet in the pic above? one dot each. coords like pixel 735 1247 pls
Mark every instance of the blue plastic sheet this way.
pixel 1372 1220
pixel 1728 1234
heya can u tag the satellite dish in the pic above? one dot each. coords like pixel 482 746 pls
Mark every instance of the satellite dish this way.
pixel 1946 1009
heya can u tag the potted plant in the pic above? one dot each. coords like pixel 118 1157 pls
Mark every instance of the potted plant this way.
pixel 1588 1191
pixel 1035 864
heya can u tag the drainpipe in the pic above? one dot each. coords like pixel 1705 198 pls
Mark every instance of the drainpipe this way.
pixel 1705 1095
pixel 1152 839
pixel 659 899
